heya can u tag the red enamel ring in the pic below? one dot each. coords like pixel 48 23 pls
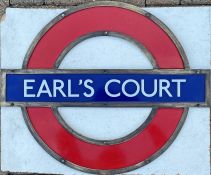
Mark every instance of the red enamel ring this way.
pixel 67 30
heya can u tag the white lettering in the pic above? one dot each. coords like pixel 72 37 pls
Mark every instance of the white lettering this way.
pixel 44 89
pixel 86 85
pixel 137 88
pixel 58 85
pixel 27 87
pixel 163 87
pixel 106 88
pixel 155 89
pixel 178 81
pixel 70 94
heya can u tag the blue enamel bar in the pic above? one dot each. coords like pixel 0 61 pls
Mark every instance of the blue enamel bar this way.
pixel 79 88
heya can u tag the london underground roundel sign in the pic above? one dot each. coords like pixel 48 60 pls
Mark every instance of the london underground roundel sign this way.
pixel 167 88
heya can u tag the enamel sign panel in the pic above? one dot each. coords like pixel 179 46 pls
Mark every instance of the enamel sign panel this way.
pixel 171 88
pixel 106 88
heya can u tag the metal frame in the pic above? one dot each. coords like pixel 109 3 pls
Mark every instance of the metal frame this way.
pixel 105 142
pixel 3 5
pixel 58 18
pixel 103 33
pixel 104 172
pixel 117 4
pixel 106 33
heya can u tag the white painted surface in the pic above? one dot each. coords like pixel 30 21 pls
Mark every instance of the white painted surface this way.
pixel 104 123
pixel 18 31
pixel 105 52
pixel 192 27
pixel 188 155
